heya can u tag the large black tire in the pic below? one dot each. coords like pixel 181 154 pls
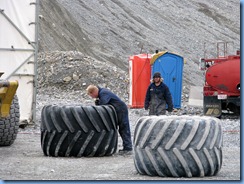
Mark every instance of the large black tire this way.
pixel 178 146
pixel 9 126
pixel 78 131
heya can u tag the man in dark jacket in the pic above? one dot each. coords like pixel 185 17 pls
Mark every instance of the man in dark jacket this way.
pixel 105 97
pixel 157 96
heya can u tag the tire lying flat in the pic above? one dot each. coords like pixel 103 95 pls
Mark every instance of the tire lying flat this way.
pixel 178 146
pixel 76 131
pixel 9 126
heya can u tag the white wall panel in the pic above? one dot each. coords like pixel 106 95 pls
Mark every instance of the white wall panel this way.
pixel 17 48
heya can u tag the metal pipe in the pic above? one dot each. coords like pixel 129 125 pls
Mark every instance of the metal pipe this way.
pixel 35 62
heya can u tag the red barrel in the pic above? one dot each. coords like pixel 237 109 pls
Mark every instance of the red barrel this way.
pixel 140 75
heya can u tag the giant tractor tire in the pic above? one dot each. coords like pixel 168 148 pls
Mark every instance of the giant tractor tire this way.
pixel 178 146
pixel 9 126
pixel 76 131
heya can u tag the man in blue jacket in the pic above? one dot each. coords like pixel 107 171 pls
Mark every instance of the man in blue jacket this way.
pixel 157 96
pixel 105 97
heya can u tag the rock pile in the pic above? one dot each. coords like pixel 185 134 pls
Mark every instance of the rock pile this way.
pixel 73 71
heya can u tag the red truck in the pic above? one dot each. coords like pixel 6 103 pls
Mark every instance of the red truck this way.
pixel 221 91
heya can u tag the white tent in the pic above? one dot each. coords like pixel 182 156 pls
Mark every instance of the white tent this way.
pixel 18 50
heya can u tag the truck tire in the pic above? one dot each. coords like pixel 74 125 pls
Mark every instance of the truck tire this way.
pixel 76 131
pixel 178 146
pixel 9 126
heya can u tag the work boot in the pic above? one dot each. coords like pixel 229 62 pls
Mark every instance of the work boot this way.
pixel 125 152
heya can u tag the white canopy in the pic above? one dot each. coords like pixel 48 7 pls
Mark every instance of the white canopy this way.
pixel 18 50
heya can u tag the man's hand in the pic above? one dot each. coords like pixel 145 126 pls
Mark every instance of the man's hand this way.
pixel 97 102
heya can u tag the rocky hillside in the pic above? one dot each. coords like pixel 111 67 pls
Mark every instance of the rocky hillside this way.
pixel 109 32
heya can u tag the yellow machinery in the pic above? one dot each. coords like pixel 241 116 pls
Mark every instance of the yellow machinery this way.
pixel 9 112
pixel 7 92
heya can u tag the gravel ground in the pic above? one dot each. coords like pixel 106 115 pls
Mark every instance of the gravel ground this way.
pixel 25 161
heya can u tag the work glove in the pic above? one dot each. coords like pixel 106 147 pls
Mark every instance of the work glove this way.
pixel 97 102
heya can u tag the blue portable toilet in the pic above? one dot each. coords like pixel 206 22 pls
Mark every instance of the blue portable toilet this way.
pixel 170 66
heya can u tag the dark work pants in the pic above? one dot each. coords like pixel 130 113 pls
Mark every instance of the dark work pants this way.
pixel 124 129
